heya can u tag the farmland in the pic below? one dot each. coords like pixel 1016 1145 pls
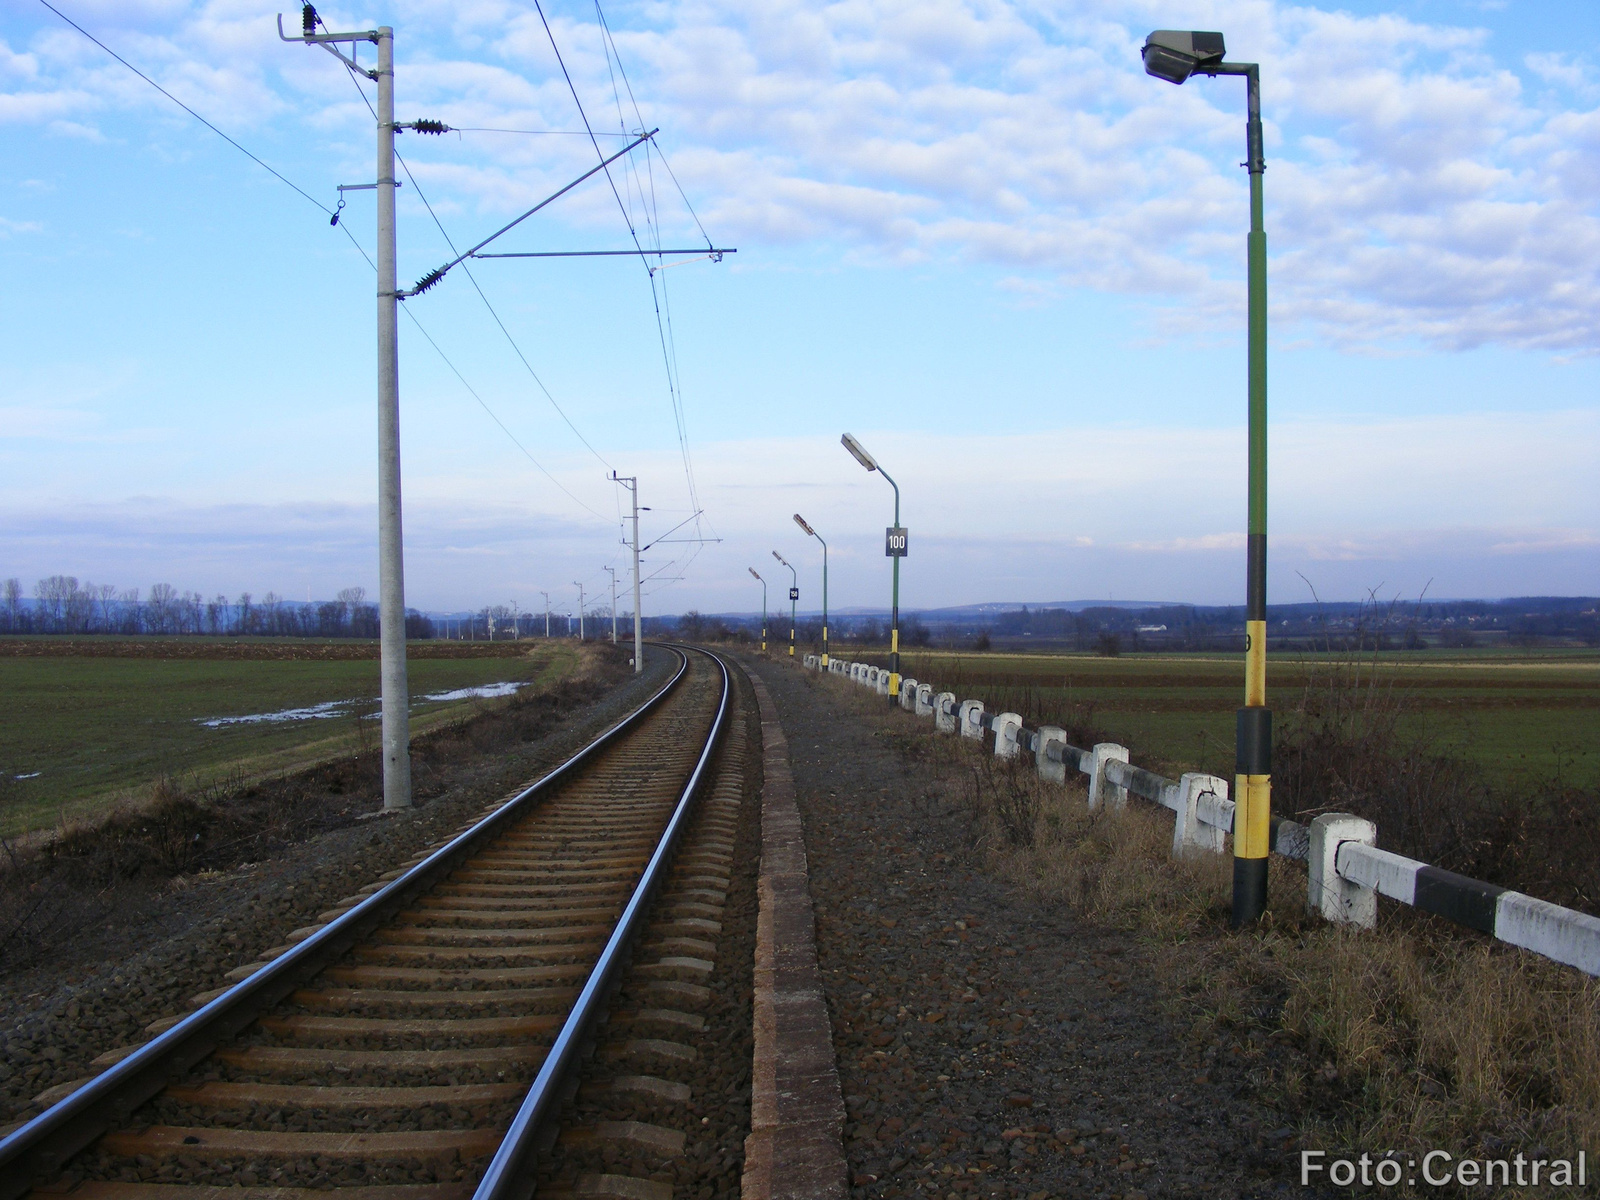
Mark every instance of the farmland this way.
pixel 1524 717
pixel 93 720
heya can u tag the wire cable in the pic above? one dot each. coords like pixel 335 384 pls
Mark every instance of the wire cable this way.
pixel 406 167
pixel 537 132
pixel 276 175
pixel 496 419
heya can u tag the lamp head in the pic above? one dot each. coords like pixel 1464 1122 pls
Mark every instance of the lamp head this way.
pixel 801 521
pixel 752 571
pixel 860 451
pixel 779 557
pixel 1176 54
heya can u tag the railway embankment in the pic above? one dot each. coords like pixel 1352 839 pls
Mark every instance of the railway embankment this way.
pixel 128 949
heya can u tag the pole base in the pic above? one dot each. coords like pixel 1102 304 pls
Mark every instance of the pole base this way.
pixel 1249 890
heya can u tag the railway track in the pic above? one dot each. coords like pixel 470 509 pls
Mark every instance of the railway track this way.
pixel 424 1041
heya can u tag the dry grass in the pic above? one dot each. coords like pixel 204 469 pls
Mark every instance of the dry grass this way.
pixel 1412 1037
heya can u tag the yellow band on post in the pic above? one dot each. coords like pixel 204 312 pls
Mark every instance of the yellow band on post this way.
pixel 894 683
pixel 1252 816
pixel 894 640
pixel 1255 664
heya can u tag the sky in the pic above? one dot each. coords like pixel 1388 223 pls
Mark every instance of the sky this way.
pixel 971 232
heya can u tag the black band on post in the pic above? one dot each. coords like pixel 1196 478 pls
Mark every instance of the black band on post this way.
pixel 1255 606
pixel 1249 890
pixel 1253 742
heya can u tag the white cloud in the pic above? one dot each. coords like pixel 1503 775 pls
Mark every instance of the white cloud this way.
pixel 1416 191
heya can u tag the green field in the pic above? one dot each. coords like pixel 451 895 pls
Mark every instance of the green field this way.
pixel 1523 716
pixel 91 721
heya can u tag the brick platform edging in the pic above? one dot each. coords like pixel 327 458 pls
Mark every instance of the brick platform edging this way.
pixel 795 1150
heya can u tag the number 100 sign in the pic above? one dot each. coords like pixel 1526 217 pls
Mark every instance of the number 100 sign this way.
pixel 894 541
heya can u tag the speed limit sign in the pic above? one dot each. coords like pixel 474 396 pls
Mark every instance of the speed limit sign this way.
pixel 894 541
pixel 794 593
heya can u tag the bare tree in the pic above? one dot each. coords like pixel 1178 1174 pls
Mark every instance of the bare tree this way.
pixel 247 615
pixel 193 607
pixel 132 611
pixel 106 597
pixel 59 603
pixel 11 592
pixel 270 616
pixel 160 609
pixel 80 607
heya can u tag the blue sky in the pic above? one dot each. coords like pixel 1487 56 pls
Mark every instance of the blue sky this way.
pixel 973 232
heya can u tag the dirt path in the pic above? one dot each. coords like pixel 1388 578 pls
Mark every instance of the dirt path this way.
pixel 987 1045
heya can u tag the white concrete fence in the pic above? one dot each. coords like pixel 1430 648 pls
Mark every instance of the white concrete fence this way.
pixel 1347 872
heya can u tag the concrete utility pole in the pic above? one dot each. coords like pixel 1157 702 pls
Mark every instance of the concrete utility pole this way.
pixel 579 586
pixel 546 596
pixel 391 565
pixel 612 571
pixel 632 484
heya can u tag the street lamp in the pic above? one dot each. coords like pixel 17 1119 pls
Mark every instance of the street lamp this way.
pixel 579 586
pixel 894 547
pixel 794 597
pixel 752 571
pixel 1175 55
pixel 801 521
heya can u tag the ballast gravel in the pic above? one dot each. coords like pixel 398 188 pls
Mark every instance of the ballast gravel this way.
pixel 989 1046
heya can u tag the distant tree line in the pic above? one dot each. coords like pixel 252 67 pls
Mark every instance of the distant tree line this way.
pixel 60 604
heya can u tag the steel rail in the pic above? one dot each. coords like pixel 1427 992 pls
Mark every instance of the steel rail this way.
pixel 508 1176
pixel 43 1145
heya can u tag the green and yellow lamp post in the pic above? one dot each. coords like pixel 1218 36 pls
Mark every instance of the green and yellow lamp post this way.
pixel 1175 55
pixel 801 521
pixel 763 582
pixel 794 597
pixel 894 547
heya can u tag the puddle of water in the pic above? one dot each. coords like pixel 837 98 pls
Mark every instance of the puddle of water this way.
pixel 339 708
pixel 29 775
pixel 488 691
pixel 316 712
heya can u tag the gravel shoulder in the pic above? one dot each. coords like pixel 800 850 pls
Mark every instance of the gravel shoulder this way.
pixel 142 960
pixel 989 1044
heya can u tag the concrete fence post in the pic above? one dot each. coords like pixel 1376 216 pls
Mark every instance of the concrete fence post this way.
pixel 971 723
pixel 1190 835
pixel 1329 893
pixel 908 694
pixel 1101 789
pixel 883 682
pixel 1054 772
pixel 1006 728
pixel 944 712
pixel 924 700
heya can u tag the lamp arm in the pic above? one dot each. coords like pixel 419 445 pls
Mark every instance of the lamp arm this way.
pixel 896 488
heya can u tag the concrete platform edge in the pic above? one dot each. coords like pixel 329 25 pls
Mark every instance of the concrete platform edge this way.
pixel 795 1150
